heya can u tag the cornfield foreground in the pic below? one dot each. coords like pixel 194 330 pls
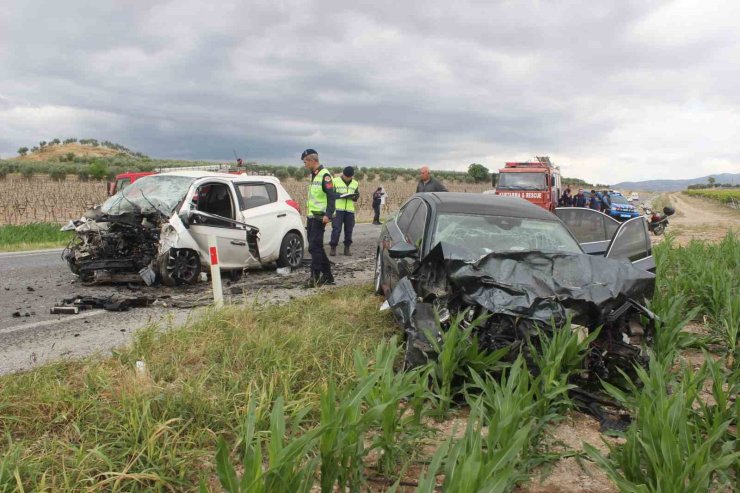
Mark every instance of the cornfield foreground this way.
pixel 41 199
pixel 730 197
pixel 305 397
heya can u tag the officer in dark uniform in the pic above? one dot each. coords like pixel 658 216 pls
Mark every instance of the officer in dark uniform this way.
pixel 320 207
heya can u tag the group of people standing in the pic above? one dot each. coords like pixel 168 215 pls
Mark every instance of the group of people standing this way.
pixel 599 201
pixel 332 200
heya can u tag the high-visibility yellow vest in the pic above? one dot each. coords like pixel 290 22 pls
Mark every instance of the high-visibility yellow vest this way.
pixel 341 188
pixel 317 200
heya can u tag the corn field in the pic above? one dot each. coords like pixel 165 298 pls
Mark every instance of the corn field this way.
pixel 41 199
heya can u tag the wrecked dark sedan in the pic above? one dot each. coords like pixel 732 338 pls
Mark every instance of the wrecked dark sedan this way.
pixel 520 269
pixel 158 228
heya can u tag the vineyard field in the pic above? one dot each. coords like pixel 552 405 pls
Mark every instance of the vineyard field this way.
pixel 41 199
pixel 725 196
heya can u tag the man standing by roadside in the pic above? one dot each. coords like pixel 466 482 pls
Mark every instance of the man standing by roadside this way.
pixel 320 207
pixel 377 201
pixel 427 183
pixel 345 189
pixel 579 200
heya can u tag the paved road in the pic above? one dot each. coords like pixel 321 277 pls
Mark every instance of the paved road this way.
pixel 32 282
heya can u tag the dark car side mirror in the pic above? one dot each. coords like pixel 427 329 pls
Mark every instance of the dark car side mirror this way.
pixel 402 249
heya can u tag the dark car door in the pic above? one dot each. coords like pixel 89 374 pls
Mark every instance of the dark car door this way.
pixel 393 234
pixel 632 242
pixel 592 229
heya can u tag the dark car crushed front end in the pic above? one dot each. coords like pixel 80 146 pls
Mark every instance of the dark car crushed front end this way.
pixel 525 292
pixel 512 274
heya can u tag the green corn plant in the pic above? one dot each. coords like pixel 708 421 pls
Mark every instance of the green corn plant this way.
pixel 457 354
pixel 556 355
pixel 730 326
pixel 343 422
pixel 397 427
pixel 669 334
pixel 481 460
pixel 664 449
pixel 711 415
pixel 289 465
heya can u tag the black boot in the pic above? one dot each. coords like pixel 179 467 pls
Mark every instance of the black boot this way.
pixel 332 251
pixel 346 250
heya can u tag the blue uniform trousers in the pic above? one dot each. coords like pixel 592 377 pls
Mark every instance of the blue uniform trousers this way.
pixel 346 219
pixel 319 261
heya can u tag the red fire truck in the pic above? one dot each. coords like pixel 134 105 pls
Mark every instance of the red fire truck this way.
pixel 536 181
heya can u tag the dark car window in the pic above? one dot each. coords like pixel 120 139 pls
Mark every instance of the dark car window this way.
pixel 406 214
pixel 415 231
pixel 631 241
pixel 587 225
pixel 253 195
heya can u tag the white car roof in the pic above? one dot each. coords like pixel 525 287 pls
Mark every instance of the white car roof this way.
pixel 222 175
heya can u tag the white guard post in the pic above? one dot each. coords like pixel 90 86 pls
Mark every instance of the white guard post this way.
pixel 218 295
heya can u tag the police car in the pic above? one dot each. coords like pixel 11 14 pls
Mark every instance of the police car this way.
pixel 621 209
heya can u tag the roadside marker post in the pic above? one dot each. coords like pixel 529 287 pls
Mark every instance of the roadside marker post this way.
pixel 218 294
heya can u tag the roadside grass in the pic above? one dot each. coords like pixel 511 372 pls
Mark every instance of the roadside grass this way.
pixel 306 396
pixel 103 425
pixel 32 236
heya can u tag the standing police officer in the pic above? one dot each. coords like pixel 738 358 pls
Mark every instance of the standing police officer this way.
pixel 345 188
pixel 320 207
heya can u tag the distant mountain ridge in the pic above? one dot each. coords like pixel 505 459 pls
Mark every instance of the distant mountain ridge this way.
pixel 676 185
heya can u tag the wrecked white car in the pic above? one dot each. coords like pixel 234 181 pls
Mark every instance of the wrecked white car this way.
pixel 157 229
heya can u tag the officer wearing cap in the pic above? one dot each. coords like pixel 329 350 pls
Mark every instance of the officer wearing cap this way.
pixel 346 190
pixel 320 207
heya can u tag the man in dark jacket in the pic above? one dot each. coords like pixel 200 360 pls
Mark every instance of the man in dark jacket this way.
pixel 579 200
pixel 566 200
pixel 427 183
pixel 377 196
pixel 595 202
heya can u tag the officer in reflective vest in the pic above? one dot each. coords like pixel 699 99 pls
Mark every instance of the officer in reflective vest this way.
pixel 320 207
pixel 345 188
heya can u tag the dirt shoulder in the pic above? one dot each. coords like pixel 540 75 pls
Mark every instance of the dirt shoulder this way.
pixel 700 219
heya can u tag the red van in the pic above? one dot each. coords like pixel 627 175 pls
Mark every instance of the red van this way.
pixel 125 179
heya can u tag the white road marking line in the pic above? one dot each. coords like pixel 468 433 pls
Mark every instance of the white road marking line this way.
pixel 80 316
pixel 30 254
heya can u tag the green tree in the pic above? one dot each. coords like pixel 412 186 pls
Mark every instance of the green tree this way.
pixel 478 172
pixel 711 181
pixel 23 151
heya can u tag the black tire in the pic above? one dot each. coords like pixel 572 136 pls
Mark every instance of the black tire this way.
pixel 659 229
pixel 291 251
pixel 378 279
pixel 179 266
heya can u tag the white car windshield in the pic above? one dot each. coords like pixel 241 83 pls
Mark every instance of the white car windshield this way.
pixel 159 193
pixel 482 234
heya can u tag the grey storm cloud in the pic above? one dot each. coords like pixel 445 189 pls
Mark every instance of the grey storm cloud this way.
pixel 611 90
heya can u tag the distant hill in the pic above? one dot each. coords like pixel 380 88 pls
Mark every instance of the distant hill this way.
pixel 50 153
pixel 675 185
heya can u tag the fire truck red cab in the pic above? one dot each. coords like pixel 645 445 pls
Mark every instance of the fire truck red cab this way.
pixel 536 181
pixel 125 179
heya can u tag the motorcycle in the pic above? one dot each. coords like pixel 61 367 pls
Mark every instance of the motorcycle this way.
pixel 657 222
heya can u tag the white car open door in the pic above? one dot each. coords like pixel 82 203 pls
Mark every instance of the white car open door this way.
pixel 213 211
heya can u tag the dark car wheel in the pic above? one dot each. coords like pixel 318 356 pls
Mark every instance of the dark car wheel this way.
pixel 378 283
pixel 291 251
pixel 179 266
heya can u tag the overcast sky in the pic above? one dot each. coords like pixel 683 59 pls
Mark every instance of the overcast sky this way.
pixel 612 91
